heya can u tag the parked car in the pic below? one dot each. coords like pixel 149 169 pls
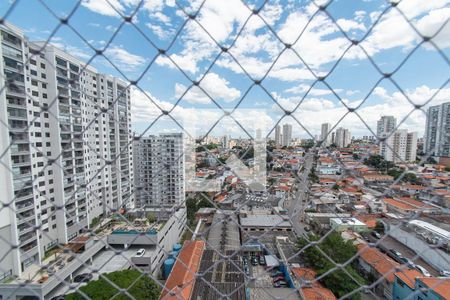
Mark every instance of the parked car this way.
pixel 278 278
pixel 376 234
pixel 279 284
pixel 246 270
pixel 395 255
pixel 444 273
pixel 60 297
pixel 85 277
pixel 245 261
pixel 262 260
pixel 254 261
pixel 277 273
pixel 423 271
pixel 140 252
pixel 407 262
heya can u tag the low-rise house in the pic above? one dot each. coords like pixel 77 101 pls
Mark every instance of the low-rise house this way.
pixel 378 266
pixel 343 224
pixel 410 284
pixel 311 289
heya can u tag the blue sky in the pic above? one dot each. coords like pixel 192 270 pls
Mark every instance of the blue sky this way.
pixel 316 38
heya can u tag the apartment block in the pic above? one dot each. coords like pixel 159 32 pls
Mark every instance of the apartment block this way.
pixel 343 137
pixel 399 146
pixel 437 138
pixel 287 135
pixel 325 134
pixel 278 135
pixel 67 148
pixel 159 170
pixel 385 125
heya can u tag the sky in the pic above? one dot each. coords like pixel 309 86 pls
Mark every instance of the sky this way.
pixel 272 63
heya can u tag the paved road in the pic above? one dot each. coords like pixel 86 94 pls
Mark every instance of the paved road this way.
pixel 298 201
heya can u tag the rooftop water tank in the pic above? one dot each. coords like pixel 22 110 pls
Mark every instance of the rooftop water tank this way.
pixel 168 265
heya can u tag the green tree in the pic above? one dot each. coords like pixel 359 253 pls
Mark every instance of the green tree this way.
pixel 339 251
pixel 447 169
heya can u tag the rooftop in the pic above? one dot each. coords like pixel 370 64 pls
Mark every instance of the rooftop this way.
pixel 439 285
pixel 265 221
pixel 181 281
pixel 379 261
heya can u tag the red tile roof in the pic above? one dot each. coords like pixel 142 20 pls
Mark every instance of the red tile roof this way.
pixel 379 261
pixel 180 283
pixel 316 291
pixel 439 285
pixel 409 276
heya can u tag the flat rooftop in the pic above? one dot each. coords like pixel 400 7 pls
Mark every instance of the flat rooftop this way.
pixel 265 221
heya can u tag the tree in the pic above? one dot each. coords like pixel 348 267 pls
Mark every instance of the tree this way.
pixel 447 169
pixel 340 252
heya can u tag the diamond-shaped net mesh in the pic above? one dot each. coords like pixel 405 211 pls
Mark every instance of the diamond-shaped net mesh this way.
pixel 92 210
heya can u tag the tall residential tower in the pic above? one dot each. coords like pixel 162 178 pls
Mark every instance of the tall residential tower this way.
pixel 66 144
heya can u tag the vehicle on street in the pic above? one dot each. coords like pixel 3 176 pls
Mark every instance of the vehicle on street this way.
pixel 395 255
pixel 423 271
pixel 407 262
pixel 140 252
pixel 444 273
pixel 85 277
pixel 254 261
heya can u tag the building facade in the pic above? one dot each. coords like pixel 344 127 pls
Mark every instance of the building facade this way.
pixel 399 146
pixel 159 170
pixel 325 134
pixel 437 137
pixel 386 125
pixel 343 137
pixel 67 147
pixel 278 135
pixel 287 135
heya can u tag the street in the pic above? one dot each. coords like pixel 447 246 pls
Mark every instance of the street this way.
pixel 296 204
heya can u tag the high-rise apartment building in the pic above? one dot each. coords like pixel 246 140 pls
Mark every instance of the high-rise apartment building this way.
pixel 325 134
pixel 385 125
pixel 399 146
pixel 278 135
pixel 343 137
pixel 159 170
pixel 67 154
pixel 437 131
pixel 287 135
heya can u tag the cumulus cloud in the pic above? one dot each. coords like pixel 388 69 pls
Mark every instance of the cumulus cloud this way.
pixel 215 86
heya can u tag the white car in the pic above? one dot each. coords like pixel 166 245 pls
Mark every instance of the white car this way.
pixel 423 270
pixel 444 273
pixel 140 252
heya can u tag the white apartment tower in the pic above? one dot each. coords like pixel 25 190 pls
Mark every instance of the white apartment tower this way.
pixel 287 135
pixel 159 170
pixel 343 137
pixel 278 135
pixel 325 134
pixel 385 125
pixel 400 146
pixel 66 148
pixel 437 131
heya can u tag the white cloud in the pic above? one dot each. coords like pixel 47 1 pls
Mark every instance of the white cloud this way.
pixel 349 25
pixel 123 59
pixel 104 7
pixel 215 86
